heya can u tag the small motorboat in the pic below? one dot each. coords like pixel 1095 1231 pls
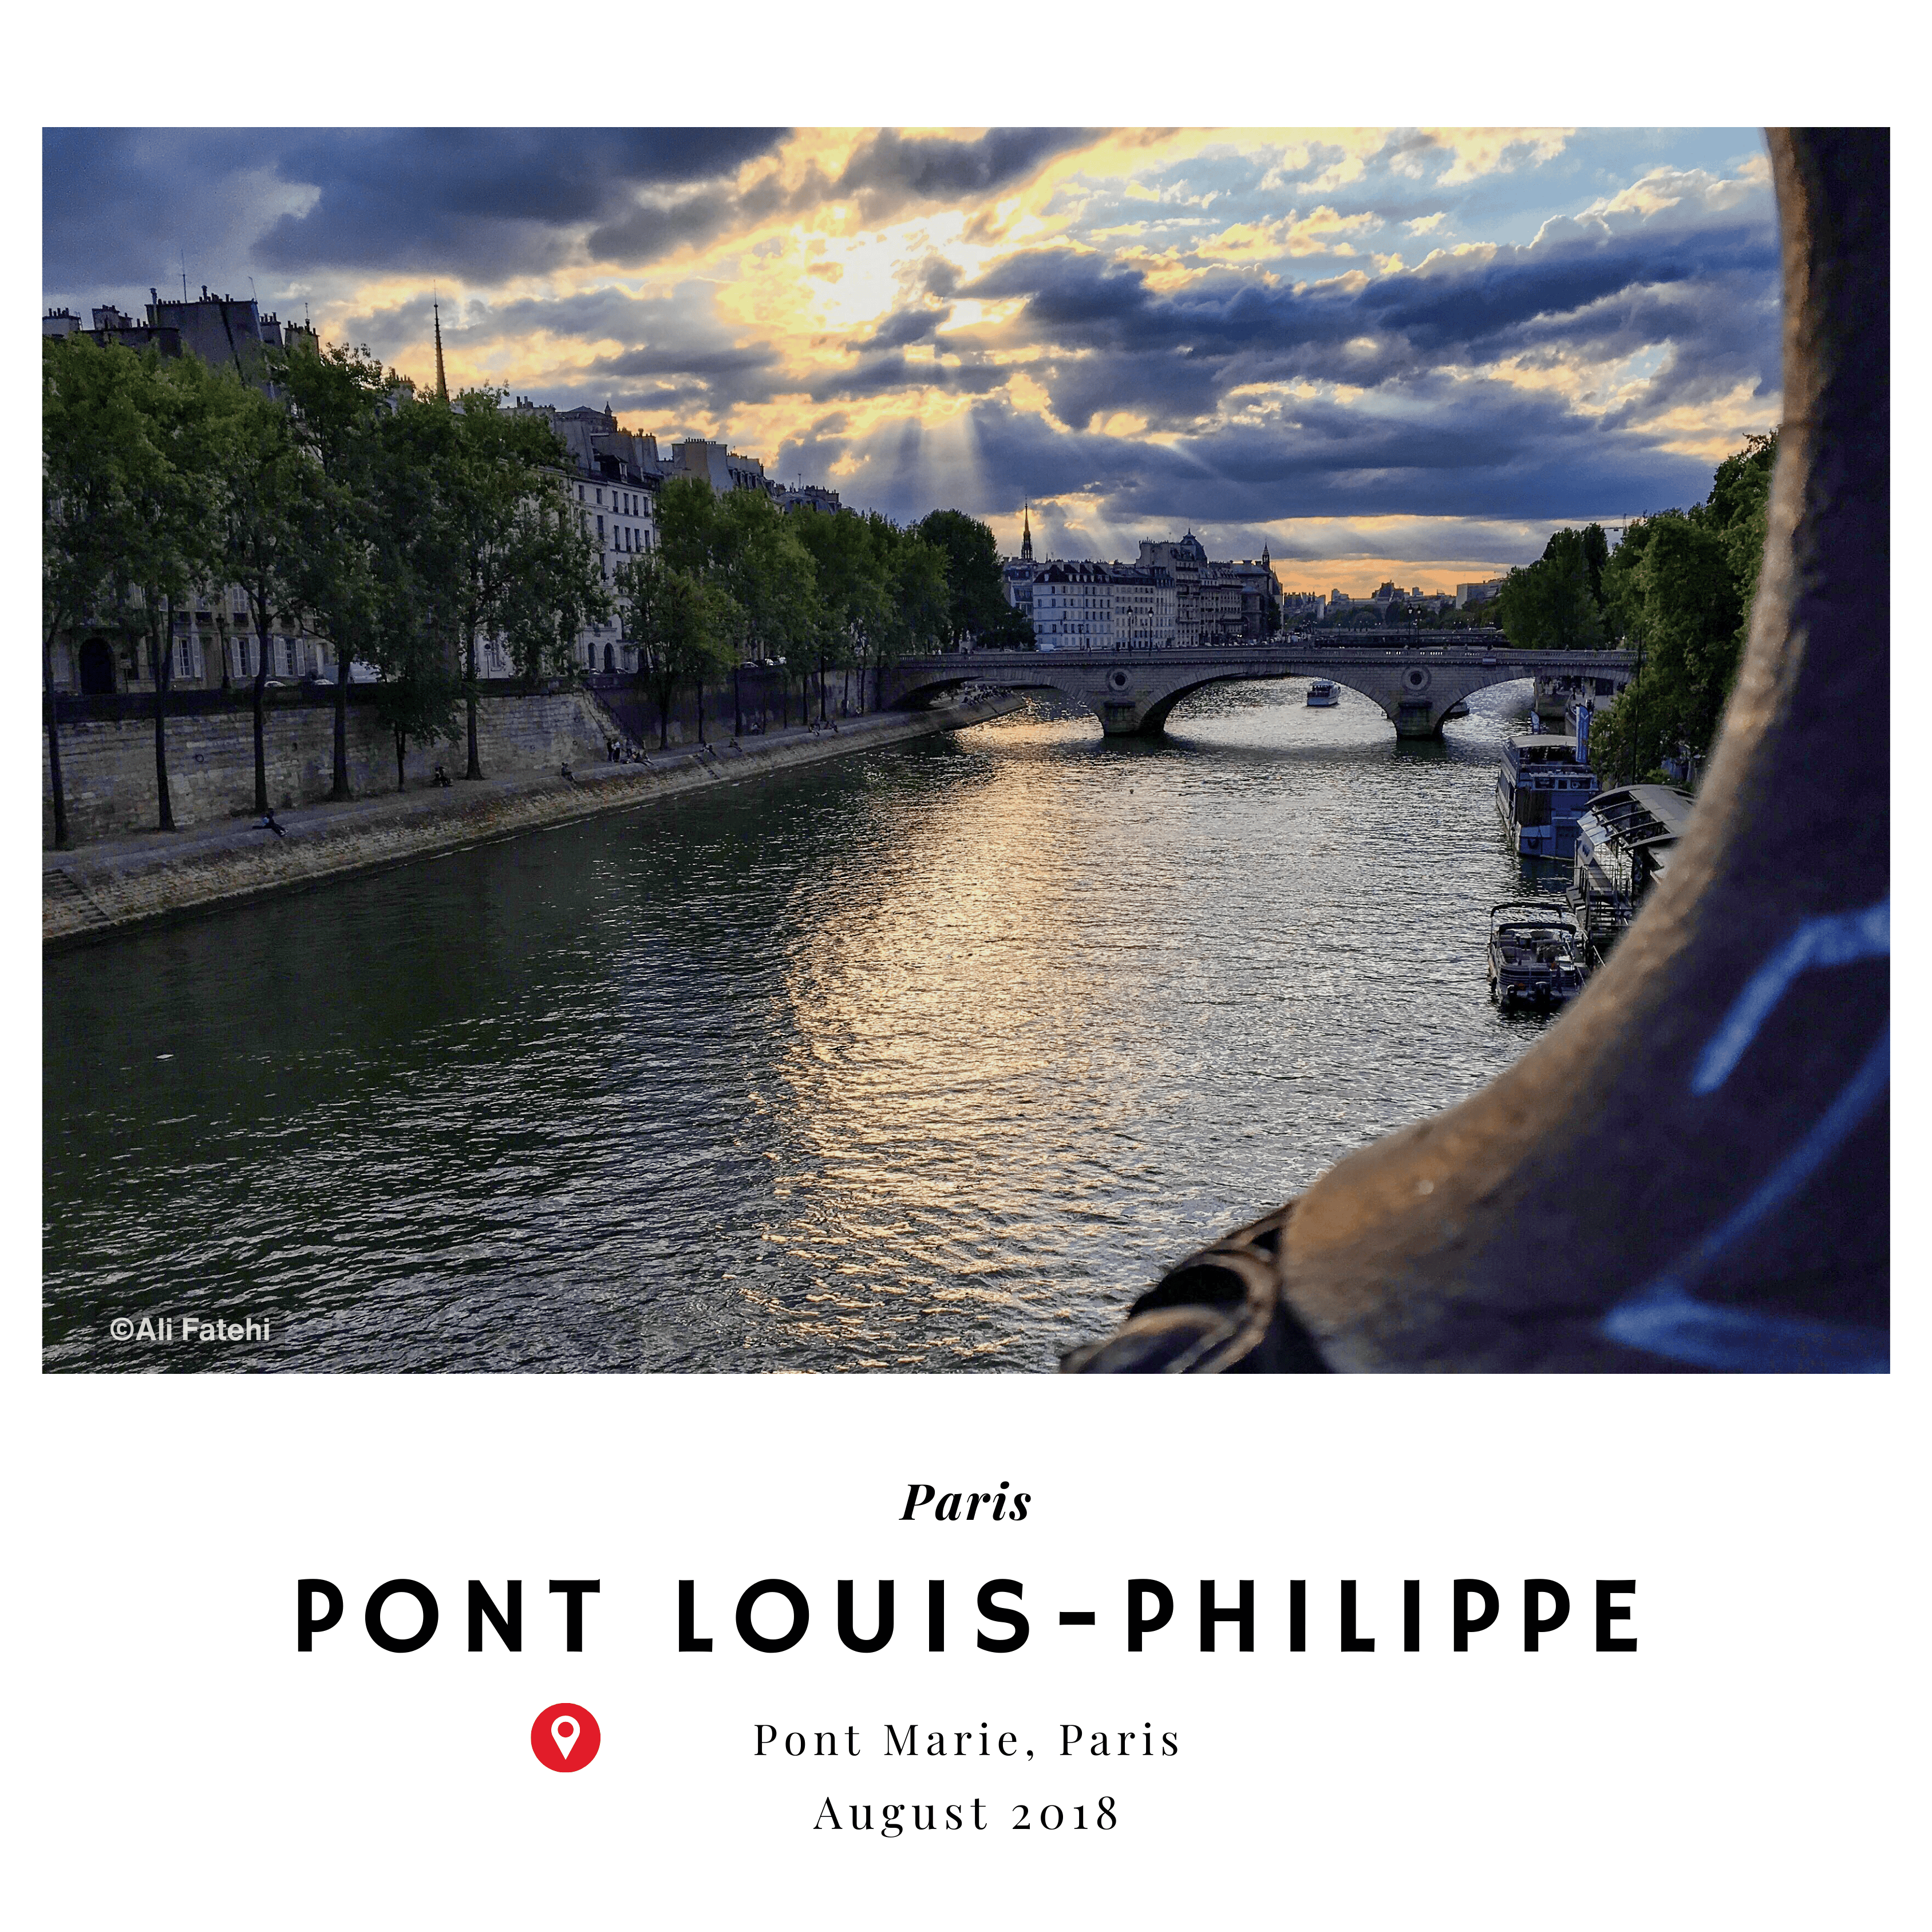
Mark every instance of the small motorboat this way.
pixel 1536 955
pixel 1322 693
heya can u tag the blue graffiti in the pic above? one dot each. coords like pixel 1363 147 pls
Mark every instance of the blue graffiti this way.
pixel 1840 939
pixel 1664 1318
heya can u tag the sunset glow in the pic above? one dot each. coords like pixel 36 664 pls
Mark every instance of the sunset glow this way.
pixel 1405 354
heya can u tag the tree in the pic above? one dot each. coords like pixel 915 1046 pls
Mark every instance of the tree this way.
pixel 338 403
pixel 174 540
pixel 262 477
pixel 498 559
pixel 976 596
pixel 95 446
pixel 558 590
pixel 415 698
pixel 919 611
pixel 1679 588
pixel 1555 604
pixel 756 559
pixel 681 626
pixel 851 590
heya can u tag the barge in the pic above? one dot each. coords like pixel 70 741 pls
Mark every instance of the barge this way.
pixel 1541 790
pixel 1625 841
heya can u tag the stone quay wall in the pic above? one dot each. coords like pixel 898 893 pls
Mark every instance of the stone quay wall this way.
pixel 88 894
pixel 107 746
pixel 107 762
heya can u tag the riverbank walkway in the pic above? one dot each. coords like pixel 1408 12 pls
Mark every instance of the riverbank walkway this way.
pixel 94 891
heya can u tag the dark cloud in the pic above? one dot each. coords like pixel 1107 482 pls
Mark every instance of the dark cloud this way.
pixel 905 326
pixel 1596 294
pixel 482 203
pixel 119 206
pixel 1486 450
pixel 489 202
pixel 887 175
pixel 1360 395
pixel 889 172
pixel 877 376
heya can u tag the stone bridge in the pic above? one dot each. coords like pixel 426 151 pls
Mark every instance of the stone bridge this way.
pixel 1416 684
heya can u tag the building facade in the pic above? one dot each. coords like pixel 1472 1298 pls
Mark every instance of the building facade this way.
pixel 723 468
pixel 612 475
pixel 1173 595
pixel 807 497
pixel 220 329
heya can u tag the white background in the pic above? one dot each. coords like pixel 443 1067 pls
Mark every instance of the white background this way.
pixel 173 1761
pixel 1744 1766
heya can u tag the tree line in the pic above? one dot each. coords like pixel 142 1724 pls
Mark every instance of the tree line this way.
pixel 405 531
pixel 732 579
pixel 1678 590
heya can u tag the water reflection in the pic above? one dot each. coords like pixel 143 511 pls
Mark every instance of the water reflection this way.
pixel 925 1060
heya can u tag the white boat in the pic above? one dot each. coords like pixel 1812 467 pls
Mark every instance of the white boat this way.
pixel 1322 693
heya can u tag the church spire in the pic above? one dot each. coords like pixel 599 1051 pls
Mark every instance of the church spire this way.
pixel 1026 539
pixel 442 387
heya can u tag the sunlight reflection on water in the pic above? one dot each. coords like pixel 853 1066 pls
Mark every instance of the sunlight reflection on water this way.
pixel 929 1059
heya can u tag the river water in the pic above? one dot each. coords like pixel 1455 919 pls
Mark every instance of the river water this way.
pixel 930 1058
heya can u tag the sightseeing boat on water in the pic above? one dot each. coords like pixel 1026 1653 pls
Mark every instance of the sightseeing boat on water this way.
pixel 1536 955
pixel 1322 693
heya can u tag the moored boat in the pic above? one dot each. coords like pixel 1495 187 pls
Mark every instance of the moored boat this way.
pixel 1541 790
pixel 1625 841
pixel 1536 957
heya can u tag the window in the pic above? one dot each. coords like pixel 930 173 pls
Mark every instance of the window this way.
pixel 600 525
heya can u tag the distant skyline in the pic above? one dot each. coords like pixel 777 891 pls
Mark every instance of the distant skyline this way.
pixel 1407 353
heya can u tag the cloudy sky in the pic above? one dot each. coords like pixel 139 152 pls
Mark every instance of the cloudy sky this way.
pixel 1410 352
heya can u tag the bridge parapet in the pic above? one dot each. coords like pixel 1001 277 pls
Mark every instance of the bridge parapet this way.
pixel 1416 685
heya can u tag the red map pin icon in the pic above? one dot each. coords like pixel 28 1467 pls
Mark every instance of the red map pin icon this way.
pixel 565 1737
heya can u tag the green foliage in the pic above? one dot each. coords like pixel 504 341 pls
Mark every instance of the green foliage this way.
pixel 416 699
pixel 406 530
pixel 914 575
pixel 128 533
pixel 1012 631
pixel 976 602
pixel 758 562
pixel 683 625
pixel 101 470
pixel 1556 604
pixel 476 539
pixel 1679 590
pixel 556 590
pixel 340 404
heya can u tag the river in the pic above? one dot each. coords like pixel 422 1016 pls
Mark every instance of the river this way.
pixel 927 1059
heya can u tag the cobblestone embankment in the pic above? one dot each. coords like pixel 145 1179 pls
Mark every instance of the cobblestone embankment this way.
pixel 97 890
